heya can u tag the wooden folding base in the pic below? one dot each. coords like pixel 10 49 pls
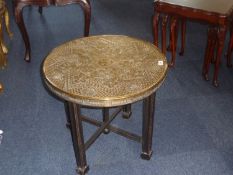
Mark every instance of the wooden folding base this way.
pixel 74 122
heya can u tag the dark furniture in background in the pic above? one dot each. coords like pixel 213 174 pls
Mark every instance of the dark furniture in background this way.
pixel 230 46
pixel 20 4
pixel 213 12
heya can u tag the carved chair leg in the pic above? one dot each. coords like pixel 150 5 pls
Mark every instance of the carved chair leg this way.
pixel 230 49
pixel 183 36
pixel 127 111
pixel 221 38
pixel 85 4
pixel 147 128
pixel 164 33
pixel 208 52
pixel 77 138
pixel 20 22
pixel 173 40
pixel 156 28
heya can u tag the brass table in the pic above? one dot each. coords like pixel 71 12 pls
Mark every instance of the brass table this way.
pixel 106 71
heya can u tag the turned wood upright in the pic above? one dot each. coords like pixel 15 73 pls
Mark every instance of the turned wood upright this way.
pixel 20 4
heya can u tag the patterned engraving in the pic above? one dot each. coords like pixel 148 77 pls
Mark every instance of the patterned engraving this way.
pixel 105 70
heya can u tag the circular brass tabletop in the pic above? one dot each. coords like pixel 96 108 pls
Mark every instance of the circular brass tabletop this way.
pixel 104 70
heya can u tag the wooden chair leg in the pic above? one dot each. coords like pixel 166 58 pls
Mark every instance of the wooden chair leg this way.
pixel 18 8
pixel 230 49
pixel 183 36
pixel 164 33
pixel 173 40
pixel 209 51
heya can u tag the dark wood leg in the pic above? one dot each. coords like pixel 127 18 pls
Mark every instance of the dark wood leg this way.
pixel 68 108
pixel 18 8
pixel 85 4
pixel 147 128
pixel 173 40
pixel 78 140
pixel 164 33
pixel 40 10
pixel 207 59
pixel 105 112
pixel 183 36
pixel 156 28
pixel 221 38
pixel 126 111
pixel 230 48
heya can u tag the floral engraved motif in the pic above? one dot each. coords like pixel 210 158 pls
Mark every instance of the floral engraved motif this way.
pixel 104 69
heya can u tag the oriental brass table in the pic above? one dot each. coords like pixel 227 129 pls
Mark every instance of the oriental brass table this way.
pixel 106 71
pixel 216 13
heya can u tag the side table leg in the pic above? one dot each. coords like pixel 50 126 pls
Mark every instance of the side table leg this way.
pixel 220 38
pixel 173 40
pixel 230 48
pixel 105 112
pixel 85 4
pixel 164 33
pixel 126 111
pixel 183 36
pixel 77 138
pixel 209 47
pixel 147 128
pixel 20 22
pixel 156 28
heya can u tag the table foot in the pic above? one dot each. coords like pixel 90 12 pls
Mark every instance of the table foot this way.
pixel 68 125
pixel 181 53
pixel 126 115
pixel 171 64
pixel 146 156
pixel 206 76
pixel 216 83
pixel 105 114
pixel 83 170
pixel 126 111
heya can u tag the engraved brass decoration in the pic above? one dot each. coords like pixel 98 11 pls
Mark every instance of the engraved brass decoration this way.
pixel 105 70
pixel 4 17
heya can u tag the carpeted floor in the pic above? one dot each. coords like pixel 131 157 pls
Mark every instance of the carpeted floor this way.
pixel 193 132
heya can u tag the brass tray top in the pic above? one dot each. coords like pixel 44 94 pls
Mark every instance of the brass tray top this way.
pixel 104 70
